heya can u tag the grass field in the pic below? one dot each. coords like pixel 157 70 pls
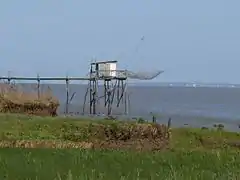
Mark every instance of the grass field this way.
pixel 79 164
pixel 191 153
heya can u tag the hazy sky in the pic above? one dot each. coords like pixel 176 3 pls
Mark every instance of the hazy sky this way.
pixel 190 40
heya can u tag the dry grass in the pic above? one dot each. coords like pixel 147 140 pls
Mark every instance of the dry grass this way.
pixel 45 144
pixel 134 136
pixel 13 99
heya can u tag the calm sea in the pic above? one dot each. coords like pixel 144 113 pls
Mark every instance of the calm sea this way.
pixel 201 106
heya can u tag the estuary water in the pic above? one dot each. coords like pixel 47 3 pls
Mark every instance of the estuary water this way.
pixel 201 106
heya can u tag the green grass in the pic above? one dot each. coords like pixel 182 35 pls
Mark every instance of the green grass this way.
pixel 33 127
pixel 190 138
pixel 46 164
pixel 14 127
pixel 187 158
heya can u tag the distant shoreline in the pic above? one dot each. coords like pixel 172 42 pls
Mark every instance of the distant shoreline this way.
pixel 144 84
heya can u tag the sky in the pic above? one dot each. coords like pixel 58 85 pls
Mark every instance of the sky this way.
pixel 189 40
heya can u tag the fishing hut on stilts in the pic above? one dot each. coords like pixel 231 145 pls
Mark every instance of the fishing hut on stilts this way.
pixel 114 84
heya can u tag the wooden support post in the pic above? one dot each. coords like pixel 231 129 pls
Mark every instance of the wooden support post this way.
pixel 123 89
pixel 109 93
pixel 38 86
pixel 169 123
pixel 154 119
pixel 94 95
pixel 67 95
pixel 9 78
pixel 90 90
pixel 105 93
pixel 125 99
pixel 118 89
pixel 90 96
pixel 112 96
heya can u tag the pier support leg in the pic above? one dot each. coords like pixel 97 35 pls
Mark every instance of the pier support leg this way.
pixel 93 96
pixel 67 96
pixel 38 86
pixel 9 78
pixel 108 95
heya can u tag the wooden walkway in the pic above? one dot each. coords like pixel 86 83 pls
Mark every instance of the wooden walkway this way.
pixel 45 78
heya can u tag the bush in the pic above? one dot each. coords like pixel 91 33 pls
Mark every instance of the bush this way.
pixel 15 100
